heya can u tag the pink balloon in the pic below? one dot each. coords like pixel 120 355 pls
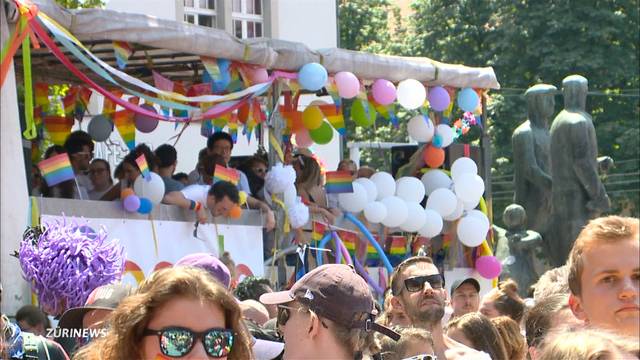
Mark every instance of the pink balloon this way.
pixel 439 98
pixel 489 267
pixel 383 91
pixel 348 84
pixel 144 123
pixel 302 139
pixel 256 75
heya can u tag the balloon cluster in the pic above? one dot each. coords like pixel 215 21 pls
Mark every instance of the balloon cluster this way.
pixel 281 180
pixel 145 194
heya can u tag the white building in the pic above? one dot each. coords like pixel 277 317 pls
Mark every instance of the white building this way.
pixel 312 22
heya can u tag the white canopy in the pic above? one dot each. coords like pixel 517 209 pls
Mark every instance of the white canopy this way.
pixel 100 24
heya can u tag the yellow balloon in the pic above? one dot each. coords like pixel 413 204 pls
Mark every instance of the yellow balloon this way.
pixel 312 117
pixel 243 197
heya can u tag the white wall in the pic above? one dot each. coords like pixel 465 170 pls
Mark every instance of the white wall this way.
pixel 162 9
pixel 312 22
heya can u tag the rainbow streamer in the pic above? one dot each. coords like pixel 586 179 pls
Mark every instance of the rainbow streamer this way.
pixel 56 169
pixel 123 51
pixel 332 89
pixel 338 182
pixel 222 173
pixel 58 128
pixel 123 120
pixel 318 230
pixel 143 166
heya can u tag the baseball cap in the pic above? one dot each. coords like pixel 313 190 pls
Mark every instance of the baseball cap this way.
pixel 106 297
pixel 456 284
pixel 336 292
pixel 208 262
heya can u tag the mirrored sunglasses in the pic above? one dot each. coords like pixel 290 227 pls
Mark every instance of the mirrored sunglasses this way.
pixel 178 341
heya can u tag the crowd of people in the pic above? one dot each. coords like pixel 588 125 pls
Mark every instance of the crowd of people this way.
pixel 586 309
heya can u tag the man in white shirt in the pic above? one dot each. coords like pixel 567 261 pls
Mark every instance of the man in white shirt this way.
pixel 217 199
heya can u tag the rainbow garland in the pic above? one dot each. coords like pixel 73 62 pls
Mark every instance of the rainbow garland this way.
pixel 123 120
pixel 338 182
pixel 122 52
pixel 56 169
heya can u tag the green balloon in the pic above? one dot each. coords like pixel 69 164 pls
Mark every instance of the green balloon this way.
pixel 359 114
pixel 323 134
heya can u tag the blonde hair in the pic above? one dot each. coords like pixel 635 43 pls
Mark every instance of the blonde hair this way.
pixel 311 173
pixel 506 300
pixel 587 344
pixel 482 334
pixel 554 281
pixel 600 231
pixel 396 350
pixel 132 316
pixel 513 341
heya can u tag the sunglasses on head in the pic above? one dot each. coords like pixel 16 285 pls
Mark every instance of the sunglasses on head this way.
pixel 178 341
pixel 416 284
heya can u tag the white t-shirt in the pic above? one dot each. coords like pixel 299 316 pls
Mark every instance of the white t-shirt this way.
pixel 196 193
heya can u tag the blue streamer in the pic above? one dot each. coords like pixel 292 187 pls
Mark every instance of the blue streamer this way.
pixel 369 237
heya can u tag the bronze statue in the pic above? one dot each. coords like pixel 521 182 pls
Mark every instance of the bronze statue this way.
pixel 531 142
pixel 522 245
pixel 578 195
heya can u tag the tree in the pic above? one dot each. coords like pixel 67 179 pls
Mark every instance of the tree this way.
pixel 81 4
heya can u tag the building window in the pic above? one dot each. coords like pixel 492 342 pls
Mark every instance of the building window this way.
pixel 200 12
pixel 247 18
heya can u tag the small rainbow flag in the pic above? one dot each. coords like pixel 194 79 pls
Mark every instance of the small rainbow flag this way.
pixel 350 241
pixel 339 182
pixel 143 166
pixel 122 51
pixel 56 169
pixel 334 116
pixel 318 230
pixel 222 173
pixel 58 128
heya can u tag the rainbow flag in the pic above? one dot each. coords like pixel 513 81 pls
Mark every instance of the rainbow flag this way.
pixel 350 241
pixel 56 169
pixel 123 120
pixel 318 230
pixel 339 182
pixel 69 101
pixel 143 166
pixel 222 173
pixel 373 258
pixel 123 51
pixel 335 117
pixel 58 128
pixel 397 250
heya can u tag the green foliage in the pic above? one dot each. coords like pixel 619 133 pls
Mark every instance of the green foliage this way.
pixel 81 4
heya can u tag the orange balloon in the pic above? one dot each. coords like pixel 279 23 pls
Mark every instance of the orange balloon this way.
pixel 433 156
pixel 126 192
pixel 235 212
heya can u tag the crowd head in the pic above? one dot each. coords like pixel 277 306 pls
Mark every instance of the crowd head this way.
pixel 503 300
pixel 465 296
pixel 477 332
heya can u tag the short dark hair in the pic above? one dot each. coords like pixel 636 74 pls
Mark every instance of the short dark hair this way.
pixel 142 149
pixel 224 188
pixel 540 317
pixel 180 176
pixel 54 149
pixel 166 155
pixel 76 140
pixel 251 288
pixel 211 141
pixel 33 316
pixel 396 285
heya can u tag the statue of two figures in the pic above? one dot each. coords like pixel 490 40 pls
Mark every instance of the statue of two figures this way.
pixel 557 184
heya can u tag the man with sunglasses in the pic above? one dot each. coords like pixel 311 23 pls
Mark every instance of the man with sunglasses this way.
pixel 418 290
pixel 329 313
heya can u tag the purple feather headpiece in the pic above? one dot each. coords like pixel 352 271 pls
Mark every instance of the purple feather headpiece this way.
pixel 64 262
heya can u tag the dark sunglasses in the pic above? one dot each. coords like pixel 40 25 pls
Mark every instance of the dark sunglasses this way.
pixel 178 341
pixel 416 284
pixel 284 312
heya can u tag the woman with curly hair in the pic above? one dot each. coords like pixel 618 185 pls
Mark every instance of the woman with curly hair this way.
pixel 175 313
pixel 503 301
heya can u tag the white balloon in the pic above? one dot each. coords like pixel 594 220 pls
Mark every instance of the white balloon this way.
pixel 469 187
pixel 410 189
pixel 470 205
pixel 152 189
pixel 436 179
pixel 279 178
pixel 463 165
pixel 443 201
pixel 397 211
pixel 471 231
pixel 446 133
pixel 290 195
pixel 385 184
pixel 432 225
pixel 456 213
pixel 411 94
pixel 353 202
pixel 479 215
pixel 370 187
pixel 375 212
pixel 420 128
pixel 298 214
pixel 416 219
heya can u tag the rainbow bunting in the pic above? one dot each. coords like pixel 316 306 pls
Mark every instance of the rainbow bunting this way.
pixel 398 245
pixel 56 169
pixel 58 128
pixel 339 182
pixel 143 166
pixel 69 101
pixel 123 51
pixel 123 120
pixel 233 129
pixel 318 230
pixel 41 92
pixel 222 173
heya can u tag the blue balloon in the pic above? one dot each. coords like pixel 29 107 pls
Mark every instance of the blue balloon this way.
pixel 468 99
pixel 145 206
pixel 312 76
pixel 436 141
